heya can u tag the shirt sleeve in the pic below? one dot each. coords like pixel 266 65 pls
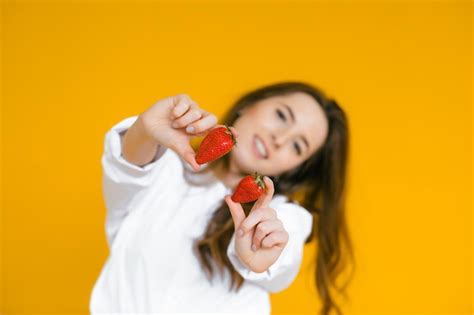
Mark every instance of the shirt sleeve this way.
pixel 124 184
pixel 298 223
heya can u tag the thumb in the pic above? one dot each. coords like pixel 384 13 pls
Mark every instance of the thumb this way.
pixel 188 155
pixel 190 158
pixel 236 210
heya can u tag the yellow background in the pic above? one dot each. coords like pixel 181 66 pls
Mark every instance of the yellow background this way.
pixel 401 70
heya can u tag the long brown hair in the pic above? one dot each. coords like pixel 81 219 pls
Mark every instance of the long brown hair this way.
pixel 320 184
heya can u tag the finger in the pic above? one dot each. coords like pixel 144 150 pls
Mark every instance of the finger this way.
pixel 264 200
pixel 263 229
pixel 201 134
pixel 278 238
pixel 191 116
pixel 257 216
pixel 206 122
pixel 182 102
pixel 237 212
pixel 187 153
pixel 190 157
pixel 204 133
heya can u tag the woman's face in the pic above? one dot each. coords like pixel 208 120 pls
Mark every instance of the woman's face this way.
pixel 278 133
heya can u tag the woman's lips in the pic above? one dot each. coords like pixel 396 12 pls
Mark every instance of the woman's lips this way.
pixel 256 150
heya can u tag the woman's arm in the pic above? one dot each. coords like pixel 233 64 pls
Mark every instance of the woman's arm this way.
pixel 137 147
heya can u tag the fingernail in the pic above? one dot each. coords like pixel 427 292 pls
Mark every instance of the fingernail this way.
pixel 190 129
pixel 254 248
pixel 240 232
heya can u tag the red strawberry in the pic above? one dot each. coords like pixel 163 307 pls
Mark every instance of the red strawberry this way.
pixel 250 188
pixel 217 143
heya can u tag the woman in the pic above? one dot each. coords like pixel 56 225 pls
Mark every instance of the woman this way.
pixel 171 225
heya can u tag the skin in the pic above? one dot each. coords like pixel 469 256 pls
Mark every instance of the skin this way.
pixel 280 136
pixel 260 237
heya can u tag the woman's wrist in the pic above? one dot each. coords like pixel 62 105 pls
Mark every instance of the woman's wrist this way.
pixel 138 147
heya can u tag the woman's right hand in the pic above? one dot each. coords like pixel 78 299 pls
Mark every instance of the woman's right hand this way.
pixel 173 121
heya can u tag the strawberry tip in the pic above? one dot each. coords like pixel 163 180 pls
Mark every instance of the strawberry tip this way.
pixel 232 135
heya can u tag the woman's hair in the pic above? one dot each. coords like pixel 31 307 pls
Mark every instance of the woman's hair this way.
pixel 319 183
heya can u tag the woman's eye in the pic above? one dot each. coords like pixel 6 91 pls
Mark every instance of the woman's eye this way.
pixel 281 115
pixel 297 147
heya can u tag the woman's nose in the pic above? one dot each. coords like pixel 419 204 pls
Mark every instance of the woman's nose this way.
pixel 274 142
pixel 278 140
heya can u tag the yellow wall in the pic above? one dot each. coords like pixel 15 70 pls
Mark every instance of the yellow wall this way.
pixel 401 69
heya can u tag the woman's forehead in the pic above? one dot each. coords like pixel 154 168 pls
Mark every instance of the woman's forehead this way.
pixel 298 101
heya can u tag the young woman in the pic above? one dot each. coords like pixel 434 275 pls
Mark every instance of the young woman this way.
pixel 178 243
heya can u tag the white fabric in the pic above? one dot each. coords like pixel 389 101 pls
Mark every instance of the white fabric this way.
pixel 153 215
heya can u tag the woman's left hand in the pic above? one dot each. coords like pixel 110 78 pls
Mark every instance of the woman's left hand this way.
pixel 263 236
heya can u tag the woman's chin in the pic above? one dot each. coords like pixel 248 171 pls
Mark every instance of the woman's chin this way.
pixel 248 165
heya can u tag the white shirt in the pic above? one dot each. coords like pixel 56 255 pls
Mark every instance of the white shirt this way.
pixel 153 214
